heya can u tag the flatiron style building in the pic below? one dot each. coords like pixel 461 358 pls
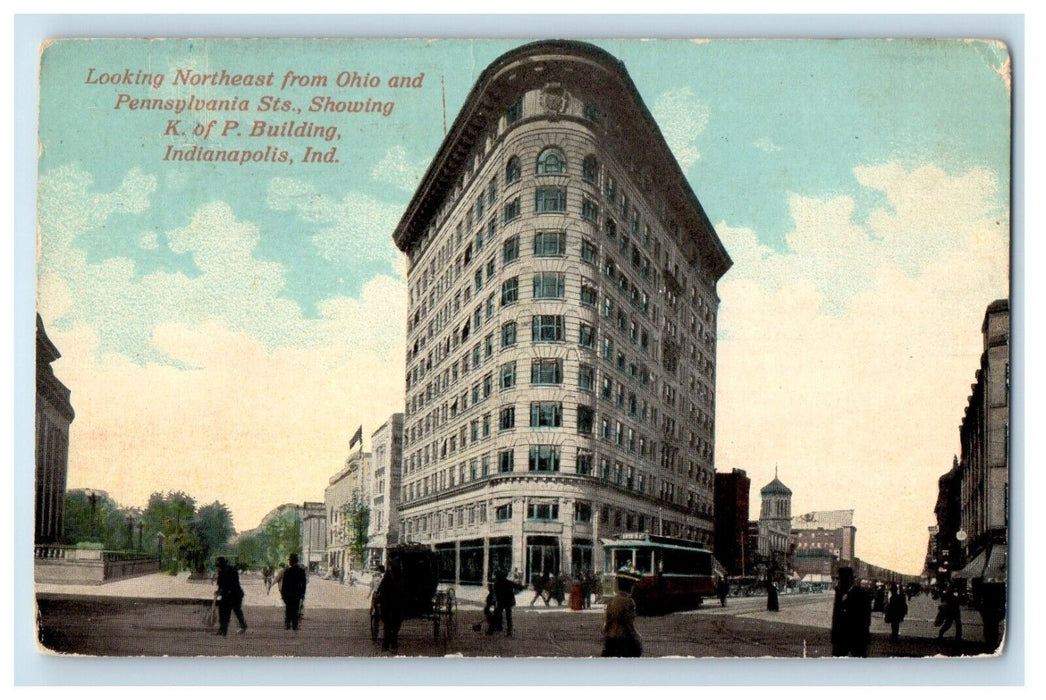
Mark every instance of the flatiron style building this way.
pixel 561 330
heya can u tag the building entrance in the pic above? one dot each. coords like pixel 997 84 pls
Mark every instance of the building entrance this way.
pixel 542 556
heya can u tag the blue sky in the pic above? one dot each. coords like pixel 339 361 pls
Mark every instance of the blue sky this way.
pixel 861 188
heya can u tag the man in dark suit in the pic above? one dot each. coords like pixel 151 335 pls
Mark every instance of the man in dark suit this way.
pixel 293 593
pixel 230 597
pixel 851 617
pixel 505 599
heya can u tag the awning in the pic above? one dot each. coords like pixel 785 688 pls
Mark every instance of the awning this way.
pixel 995 570
pixel 973 569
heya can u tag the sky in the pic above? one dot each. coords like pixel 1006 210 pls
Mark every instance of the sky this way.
pixel 225 328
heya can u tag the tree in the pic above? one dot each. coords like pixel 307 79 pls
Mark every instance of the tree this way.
pixel 213 526
pixel 101 521
pixel 282 535
pixel 356 517
pixel 170 518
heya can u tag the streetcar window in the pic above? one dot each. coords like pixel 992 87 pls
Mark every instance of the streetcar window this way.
pixel 643 561
pixel 622 559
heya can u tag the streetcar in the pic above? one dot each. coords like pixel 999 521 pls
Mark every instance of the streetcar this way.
pixel 671 573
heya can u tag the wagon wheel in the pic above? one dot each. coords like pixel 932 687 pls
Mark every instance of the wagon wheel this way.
pixel 437 607
pixel 375 620
pixel 448 613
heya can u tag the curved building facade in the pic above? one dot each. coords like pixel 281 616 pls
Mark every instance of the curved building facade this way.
pixel 560 378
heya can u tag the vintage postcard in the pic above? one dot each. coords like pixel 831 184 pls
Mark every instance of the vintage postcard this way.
pixel 538 348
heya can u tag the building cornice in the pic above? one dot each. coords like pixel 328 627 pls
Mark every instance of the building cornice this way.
pixel 577 65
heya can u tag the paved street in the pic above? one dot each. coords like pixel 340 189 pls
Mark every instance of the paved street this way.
pixel 162 615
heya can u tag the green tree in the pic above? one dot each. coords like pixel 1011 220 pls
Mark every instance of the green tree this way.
pixel 213 526
pixel 101 521
pixel 356 517
pixel 169 518
pixel 281 536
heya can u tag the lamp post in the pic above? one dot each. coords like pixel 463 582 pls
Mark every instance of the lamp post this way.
pixel 92 498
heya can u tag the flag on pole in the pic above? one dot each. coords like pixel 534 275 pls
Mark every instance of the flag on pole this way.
pixel 356 437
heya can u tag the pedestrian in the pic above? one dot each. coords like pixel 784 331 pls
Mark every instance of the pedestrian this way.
pixel 722 589
pixel 557 589
pixel 896 609
pixel 230 597
pixel 293 593
pixel 391 595
pixel 620 637
pixel 851 617
pixel 541 584
pixel 267 573
pixel 948 613
pixel 505 599
pixel 488 612
pixel 880 598
pixel 772 603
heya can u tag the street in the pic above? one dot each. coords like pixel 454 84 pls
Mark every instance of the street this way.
pixel 336 624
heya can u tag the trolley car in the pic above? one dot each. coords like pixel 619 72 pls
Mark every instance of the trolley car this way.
pixel 424 599
pixel 671 574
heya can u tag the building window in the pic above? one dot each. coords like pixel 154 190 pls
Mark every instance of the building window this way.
pixel 551 162
pixel 585 419
pixel 505 461
pixel 508 334
pixel 584 463
pixel 549 285
pixel 514 113
pixel 544 458
pixel 510 291
pixel 546 414
pixel 507 418
pixel 589 169
pixel 610 190
pixel 511 211
pixel 550 199
pixel 546 329
pixel 591 113
pixel 589 296
pixel 550 244
pixel 586 377
pixel 586 336
pixel 589 209
pixel 492 190
pixel 510 250
pixel 503 513
pixel 589 252
pixel 542 511
pixel 582 512
pixel 513 171
pixel 546 371
pixel 507 376
pixel 610 228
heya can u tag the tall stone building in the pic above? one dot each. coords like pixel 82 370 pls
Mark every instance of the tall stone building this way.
pixel 347 492
pixel 985 435
pixel 386 464
pixel 561 331
pixel 54 415
pixel 731 519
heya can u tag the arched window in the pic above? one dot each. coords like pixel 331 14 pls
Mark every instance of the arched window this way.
pixel 512 170
pixel 589 168
pixel 551 162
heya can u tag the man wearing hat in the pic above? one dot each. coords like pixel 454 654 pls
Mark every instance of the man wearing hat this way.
pixel 230 597
pixel 293 592
pixel 851 617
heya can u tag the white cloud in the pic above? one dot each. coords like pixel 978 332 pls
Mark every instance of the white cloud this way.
pixel 207 382
pixel 847 359
pixel 357 227
pixel 396 169
pixel 682 118
pixel 149 241
pixel 766 144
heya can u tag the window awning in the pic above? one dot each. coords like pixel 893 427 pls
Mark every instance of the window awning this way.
pixel 973 569
pixel 995 570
